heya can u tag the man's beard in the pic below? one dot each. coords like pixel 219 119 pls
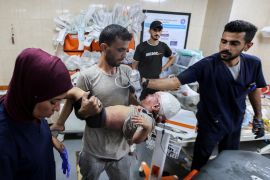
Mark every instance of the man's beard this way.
pixel 155 37
pixel 111 61
pixel 229 58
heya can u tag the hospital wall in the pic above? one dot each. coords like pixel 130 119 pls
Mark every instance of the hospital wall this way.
pixel 33 25
pixel 217 14
pixel 259 13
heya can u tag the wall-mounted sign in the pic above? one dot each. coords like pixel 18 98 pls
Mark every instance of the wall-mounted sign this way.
pixel 175 27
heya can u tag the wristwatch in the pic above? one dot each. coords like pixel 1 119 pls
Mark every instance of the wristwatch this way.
pixel 145 83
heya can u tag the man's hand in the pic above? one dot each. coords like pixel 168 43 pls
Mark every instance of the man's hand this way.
pixel 258 127
pixel 89 107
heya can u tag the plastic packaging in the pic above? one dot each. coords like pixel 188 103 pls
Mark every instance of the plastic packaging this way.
pixel 184 59
pixel 95 18
pixel 135 82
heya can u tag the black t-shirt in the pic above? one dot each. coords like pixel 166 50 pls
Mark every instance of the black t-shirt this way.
pixel 150 58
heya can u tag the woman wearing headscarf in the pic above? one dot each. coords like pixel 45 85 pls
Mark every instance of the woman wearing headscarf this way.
pixel 39 82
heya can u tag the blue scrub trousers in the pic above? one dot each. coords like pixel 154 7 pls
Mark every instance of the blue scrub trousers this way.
pixel 206 141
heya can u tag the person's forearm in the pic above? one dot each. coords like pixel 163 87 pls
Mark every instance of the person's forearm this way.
pixel 169 63
pixel 57 144
pixel 140 136
pixel 75 93
pixel 67 109
pixel 255 101
pixel 135 64
pixel 166 84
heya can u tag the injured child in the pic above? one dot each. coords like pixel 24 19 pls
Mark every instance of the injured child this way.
pixel 136 122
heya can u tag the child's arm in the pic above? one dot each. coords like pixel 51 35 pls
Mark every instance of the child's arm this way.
pixel 72 95
pixel 75 94
pixel 141 134
pixel 86 107
pixel 59 124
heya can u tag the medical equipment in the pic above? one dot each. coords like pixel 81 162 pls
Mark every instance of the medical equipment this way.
pixel 169 139
pixel 183 128
pixel 184 59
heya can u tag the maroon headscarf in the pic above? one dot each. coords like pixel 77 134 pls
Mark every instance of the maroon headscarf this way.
pixel 37 76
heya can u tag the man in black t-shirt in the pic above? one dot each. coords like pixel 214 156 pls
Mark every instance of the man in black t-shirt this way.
pixel 148 55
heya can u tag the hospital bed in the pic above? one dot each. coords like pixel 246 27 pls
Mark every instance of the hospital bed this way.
pixel 182 129
pixel 230 165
